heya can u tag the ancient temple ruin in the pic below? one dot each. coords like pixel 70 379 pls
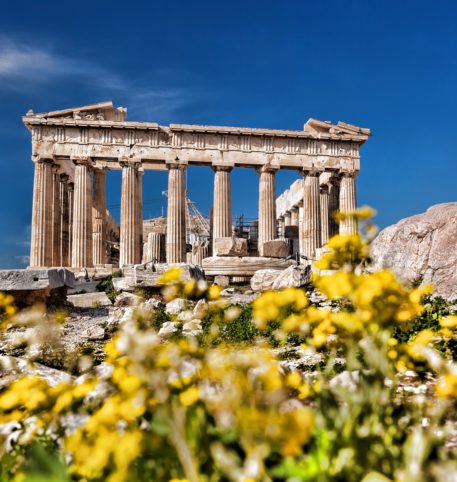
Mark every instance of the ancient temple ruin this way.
pixel 73 148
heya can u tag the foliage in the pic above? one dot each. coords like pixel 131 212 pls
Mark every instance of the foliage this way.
pixel 221 406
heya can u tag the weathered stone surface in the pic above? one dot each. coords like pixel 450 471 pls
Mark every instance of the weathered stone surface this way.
pixel 148 275
pixel 192 328
pixel 89 300
pixel 35 279
pixel 95 332
pixel 127 299
pixel 291 232
pixel 276 248
pixel 247 266
pixel 294 276
pixel 222 280
pixel 169 328
pixel 263 279
pixel 422 247
pixel 176 306
pixel 230 247
pixel 201 309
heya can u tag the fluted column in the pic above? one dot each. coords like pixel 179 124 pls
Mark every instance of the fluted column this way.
pixel 130 252
pixel 324 200
pixel 222 205
pixel 81 256
pixel 41 239
pixel 64 221
pixel 287 218
pixel 281 226
pixel 267 207
pixel 176 214
pixel 56 217
pixel 333 204
pixel 99 217
pixel 71 196
pixel 140 211
pixel 348 202
pixel 294 216
pixel 300 227
pixel 154 248
pixel 311 230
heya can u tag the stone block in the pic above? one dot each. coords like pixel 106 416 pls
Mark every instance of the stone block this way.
pixel 222 280
pixel 89 300
pixel 263 279
pixel 293 277
pixel 291 232
pixel 230 247
pixel 35 279
pixel 276 249
pixel 247 266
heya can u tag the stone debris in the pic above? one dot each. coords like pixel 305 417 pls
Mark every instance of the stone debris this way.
pixel 176 306
pixel 169 328
pixel 276 248
pixel 89 300
pixel 230 246
pixel 263 279
pixel 127 299
pixel 95 332
pixel 232 266
pixel 192 328
pixel 222 281
pixel 294 276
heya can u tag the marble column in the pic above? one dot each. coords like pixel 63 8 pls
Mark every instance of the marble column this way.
pixel 294 216
pixel 176 214
pixel 267 207
pixel 287 218
pixel 140 211
pixel 64 221
pixel 130 252
pixel 325 225
pixel 41 239
pixel 311 229
pixel 154 248
pixel 222 204
pixel 81 255
pixel 71 195
pixel 333 204
pixel 56 217
pixel 300 227
pixel 348 202
pixel 99 217
pixel 281 226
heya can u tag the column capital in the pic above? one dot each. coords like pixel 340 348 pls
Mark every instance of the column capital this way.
pixel 312 172
pixel 81 161
pixel 347 173
pixel 223 168
pixel 267 168
pixel 176 165
pixel 42 160
pixel 71 186
pixel 324 189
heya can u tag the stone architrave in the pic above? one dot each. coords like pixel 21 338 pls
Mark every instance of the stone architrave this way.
pixel 222 204
pixel 82 251
pixel 64 221
pixel 348 202
pixel 311 229
pixel 99 217
pixel 324 201
pixel 56 217
pixel 41 240
pixel 333 204
pixel 267 207
pixel 176 214
pixel 130 252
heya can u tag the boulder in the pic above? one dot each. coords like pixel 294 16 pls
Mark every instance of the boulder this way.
pixel 263 279
pixel 222 280
pixel 277 248
pixel 293 277
pixel 422 248
pixel 247 266
pixel 89 300
pixel 230 247
pixel 176 306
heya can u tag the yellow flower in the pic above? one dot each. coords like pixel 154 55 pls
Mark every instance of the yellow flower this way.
pixel 189 396
pixel 172 275
pixel 449 321
pixel 214 292
pixel 447 386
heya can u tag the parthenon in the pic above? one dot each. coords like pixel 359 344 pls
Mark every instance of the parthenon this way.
pixel 73 148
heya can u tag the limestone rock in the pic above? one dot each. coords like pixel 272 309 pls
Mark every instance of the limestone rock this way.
pixel 89 300
pixel 222 280
pixel 95 332
pixel 422 247
pixel 153 303
pixel 169 328
pixel 294 276
pixel 176 306
pixel 192 328
pixel 263 279
pixel 185 315
pixel 276 249
pixel 35 279
pixel 201 309
pixel 247 266
pixel 127 299
pixel 230 247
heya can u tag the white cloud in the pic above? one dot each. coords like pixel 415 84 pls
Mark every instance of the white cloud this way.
pixel 22 66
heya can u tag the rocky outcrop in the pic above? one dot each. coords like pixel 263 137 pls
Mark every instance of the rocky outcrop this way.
pixel 422 247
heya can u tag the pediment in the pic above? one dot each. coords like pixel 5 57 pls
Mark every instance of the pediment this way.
pixel 341 128
pixel 102 111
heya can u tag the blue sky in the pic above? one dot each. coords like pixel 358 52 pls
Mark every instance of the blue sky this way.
pixel 387 65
